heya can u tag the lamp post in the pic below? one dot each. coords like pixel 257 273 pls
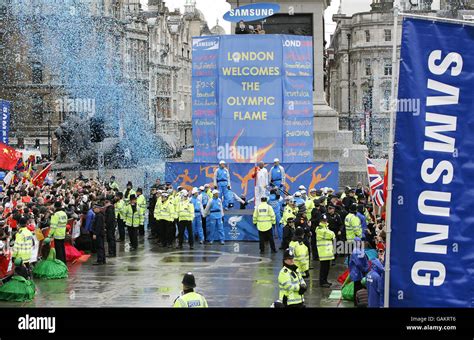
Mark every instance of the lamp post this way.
pixel 49 136
pixel 370 142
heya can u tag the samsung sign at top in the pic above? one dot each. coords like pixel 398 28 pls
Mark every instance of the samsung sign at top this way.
pixel 252 12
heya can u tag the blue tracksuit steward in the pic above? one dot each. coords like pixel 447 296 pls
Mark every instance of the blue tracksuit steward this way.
pixel 358 265
pixel 276 204
pixel 222 182
pixel 204 200
pixel 375 284
pixel 299 201
pixel 363 222
pixel 277 176
pixel 197 222
pixel 215 228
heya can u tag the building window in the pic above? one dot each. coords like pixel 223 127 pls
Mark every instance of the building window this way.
pixel 387 95
pixel 367 36
pixel 37 73
pixel 388 35
pixel 387 67
pixel 37 107
pixel 368 67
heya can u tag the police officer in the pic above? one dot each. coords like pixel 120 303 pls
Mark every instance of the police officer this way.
pixel 189 298
pixel 113 185
pixel 120 215
pixel 24 242
pixel 353 224
pixel 291 284
pixel 198 212
pixel 128 192
pixel 288 232
pixel 204 197
pixel 141 204
pixel 132 221
pixel 325 238
pixel 264 218
pixel 167 215
pixel 58 231
pixel 185 220
pixel 300 251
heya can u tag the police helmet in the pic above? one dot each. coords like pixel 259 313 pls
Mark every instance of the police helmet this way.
pixel 288 254
pixel 299 232
pixel 353 208
pixel 189 280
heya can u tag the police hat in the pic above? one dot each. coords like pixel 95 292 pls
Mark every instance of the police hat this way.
pixel 290 220
pixel 57 204
pixel 288 254
pixel 324 217
pixel 299 232
pixel 133 197
pixel 23 221
pixel 264 198
pixel 189 280
pixel 353 208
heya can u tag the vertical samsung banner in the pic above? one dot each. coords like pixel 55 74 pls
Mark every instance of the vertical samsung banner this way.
pixel 298 99
pixel 250 98
pixel 204 96
pixel 5 109
pixel 432 243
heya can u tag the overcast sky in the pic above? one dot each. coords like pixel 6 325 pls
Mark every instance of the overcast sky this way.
pixel 214 10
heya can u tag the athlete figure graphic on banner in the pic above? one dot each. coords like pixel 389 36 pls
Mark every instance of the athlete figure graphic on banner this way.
pixel 318 178
pixel 186 179
pixel 293 179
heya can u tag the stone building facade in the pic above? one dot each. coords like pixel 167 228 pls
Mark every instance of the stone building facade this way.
pixel 360 73
pixel 154 48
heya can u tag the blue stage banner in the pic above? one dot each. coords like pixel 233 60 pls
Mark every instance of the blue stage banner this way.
pixel 312 175
pixel 250 98
pixel 298 99
pixel 5 109
pixel 204 96
pixel 432 242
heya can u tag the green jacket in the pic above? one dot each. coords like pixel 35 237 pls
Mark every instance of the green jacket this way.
pixel 301 255
pixel 58 225
pixel 132 219
pixel 264 217
pixel 353 227
pixel 324 241
pixel 190 300
pixel 23 246
pixel 289 283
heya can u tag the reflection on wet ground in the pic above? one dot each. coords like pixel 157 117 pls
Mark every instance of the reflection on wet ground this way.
pixel 233 275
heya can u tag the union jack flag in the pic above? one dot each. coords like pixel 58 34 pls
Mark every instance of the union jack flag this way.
pixel 376 184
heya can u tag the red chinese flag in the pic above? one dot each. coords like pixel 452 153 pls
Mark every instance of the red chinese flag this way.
pixel 8 157
pixel 38 180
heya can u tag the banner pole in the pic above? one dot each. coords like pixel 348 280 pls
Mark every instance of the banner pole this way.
pixel 391 142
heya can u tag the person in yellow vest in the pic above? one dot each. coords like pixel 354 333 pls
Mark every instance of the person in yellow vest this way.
pixel 325 241
pixel 291 285
pixel 185 220
pixel 301 252
pixel 290 210
pixel 128 192
pixel 132 221
pixel 189 298
pixel 353 224
pixel 264 218
pixel 309 204
pixel 58 231
pixel 120 215
pixel 141 204
pixel 24 242
pixel 160 223
pixel 167 216
pixel 113 185
pixel 208 191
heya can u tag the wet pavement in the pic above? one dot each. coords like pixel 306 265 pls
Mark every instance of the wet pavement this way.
pixel 232 275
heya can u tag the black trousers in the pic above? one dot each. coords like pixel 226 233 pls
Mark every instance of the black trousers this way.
pixel 357 286
pixel 298 305
pixel 60 250
pixel 100 246
pixel 141 230
pixel 133 235
pixel 204 228
pixel 314 248
pixel 161 229
pixel 112 246
pixel 170 233
pixel 93 248
pixel 324 271
pixel 153 225
pixel 264 236
pixel 121 229
pixel 182 226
